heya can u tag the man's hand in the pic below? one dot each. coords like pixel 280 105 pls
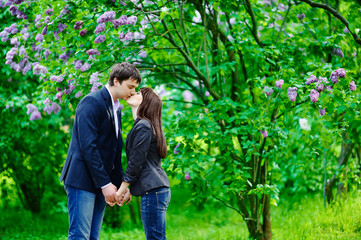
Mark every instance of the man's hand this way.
pixel 110 194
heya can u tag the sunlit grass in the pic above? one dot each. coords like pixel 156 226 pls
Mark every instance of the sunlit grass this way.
pixel 301 217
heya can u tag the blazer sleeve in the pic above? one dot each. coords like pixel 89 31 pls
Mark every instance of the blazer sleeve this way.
pixel 138 152
pixel 89 118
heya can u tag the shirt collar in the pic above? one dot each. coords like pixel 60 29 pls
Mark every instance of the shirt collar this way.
pixel 115 104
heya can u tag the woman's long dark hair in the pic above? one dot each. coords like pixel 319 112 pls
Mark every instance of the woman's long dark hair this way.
pixel 151 109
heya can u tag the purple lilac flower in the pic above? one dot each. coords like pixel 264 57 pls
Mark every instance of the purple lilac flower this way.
pixel 4 34
pixel 45 30
pixel 106 17
pixel 329 88
pixel 61 27
pixel 100 28
pixel 14 41
pixel 207 94
pixel 93 52
pixel 144 21
pixel 46 101
pixel 187 95
pixel 47 20
pixel 345 30
pixel 264 133
pixel 314 95
pixel 292 93
pixel 38 69
pixel 85 67
pixel 267 90
pixel 78 25
pixel 176 151
pixel 279 83
pixel 322 111
pixel 301 16
pixel 95 86
pixel 26 36
pixel 341 72
pixel 120 21
pixel 142 54
pixel 82 32
pixel 31 108
pixel 35 115
pixel 320 83
pixel 139 35
pixel 63 56
pixel 52 106
pixel 78 94
pixel 13 10
pixel 59 96
pixel 39 38
pixel 337 52
pixel 186 176
pixel 46 53
pixel 56 78
pixel 311 79
pixel 49 11
pixel 38 18
pixel 78 64
pixel 94 78
pixel 334 77
pixel 352 86
pixel 100 39
pixel 132 20
pixel 124 4
pixel 26 68
pixel 64 11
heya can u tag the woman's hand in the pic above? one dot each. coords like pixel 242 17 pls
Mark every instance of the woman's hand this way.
pixel 123 194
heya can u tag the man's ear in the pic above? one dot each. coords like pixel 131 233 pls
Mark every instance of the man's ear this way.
pixel 116 81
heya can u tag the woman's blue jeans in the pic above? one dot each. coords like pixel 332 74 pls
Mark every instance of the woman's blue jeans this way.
pixel 153 207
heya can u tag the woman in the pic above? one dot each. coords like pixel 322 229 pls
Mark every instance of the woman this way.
pixel 145 147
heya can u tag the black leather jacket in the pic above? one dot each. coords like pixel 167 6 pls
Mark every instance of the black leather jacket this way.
pixel 144 171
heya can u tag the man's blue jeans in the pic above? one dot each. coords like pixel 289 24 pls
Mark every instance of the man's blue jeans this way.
pixel 86 211
pixel 153 207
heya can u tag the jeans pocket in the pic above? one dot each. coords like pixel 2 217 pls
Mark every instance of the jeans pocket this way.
pixel 163 199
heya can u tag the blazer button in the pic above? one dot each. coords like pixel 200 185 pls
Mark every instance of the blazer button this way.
pixel 115 149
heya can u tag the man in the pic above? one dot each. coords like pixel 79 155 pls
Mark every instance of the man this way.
pixel 93 171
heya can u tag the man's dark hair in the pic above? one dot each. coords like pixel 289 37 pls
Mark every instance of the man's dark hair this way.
pixel 124 71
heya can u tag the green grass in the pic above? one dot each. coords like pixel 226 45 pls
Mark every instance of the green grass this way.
pixel 302 217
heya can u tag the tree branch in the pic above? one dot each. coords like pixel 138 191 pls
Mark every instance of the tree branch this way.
pixel 336 14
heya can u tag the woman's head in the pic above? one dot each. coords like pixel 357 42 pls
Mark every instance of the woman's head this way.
pixel 150 108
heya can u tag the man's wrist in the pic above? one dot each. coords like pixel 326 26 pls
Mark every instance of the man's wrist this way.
pixel 106 185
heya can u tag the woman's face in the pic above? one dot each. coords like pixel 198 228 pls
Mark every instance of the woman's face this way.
pixel 135 100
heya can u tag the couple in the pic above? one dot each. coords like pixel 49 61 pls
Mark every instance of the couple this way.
pixel 93 174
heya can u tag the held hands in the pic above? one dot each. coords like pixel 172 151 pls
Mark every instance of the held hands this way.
pixel 113 197
pixel 124 197
pixel 110 194
pixel 124 194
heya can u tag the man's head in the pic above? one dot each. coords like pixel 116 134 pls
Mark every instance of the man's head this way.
pixel 123 80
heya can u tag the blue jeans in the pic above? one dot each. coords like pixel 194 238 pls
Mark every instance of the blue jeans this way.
pixel 153 206
pixel 86 211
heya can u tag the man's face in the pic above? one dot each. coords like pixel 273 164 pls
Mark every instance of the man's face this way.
pixel 126 89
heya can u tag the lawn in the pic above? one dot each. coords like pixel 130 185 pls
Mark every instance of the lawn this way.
pixel 298 217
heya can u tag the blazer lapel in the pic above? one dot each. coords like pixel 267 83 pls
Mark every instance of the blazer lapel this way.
pixel 109 106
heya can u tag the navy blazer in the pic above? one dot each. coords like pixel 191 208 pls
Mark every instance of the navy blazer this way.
pixel 94 155
pixel 144 171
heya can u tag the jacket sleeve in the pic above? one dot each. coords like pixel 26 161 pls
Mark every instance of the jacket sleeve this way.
pixel 138 152
pixel 88 125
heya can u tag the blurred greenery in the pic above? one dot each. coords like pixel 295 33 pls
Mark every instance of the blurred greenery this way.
pixel 215 64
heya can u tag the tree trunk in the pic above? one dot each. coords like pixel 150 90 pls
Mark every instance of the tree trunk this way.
pixel 342 161
pixel 267 218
